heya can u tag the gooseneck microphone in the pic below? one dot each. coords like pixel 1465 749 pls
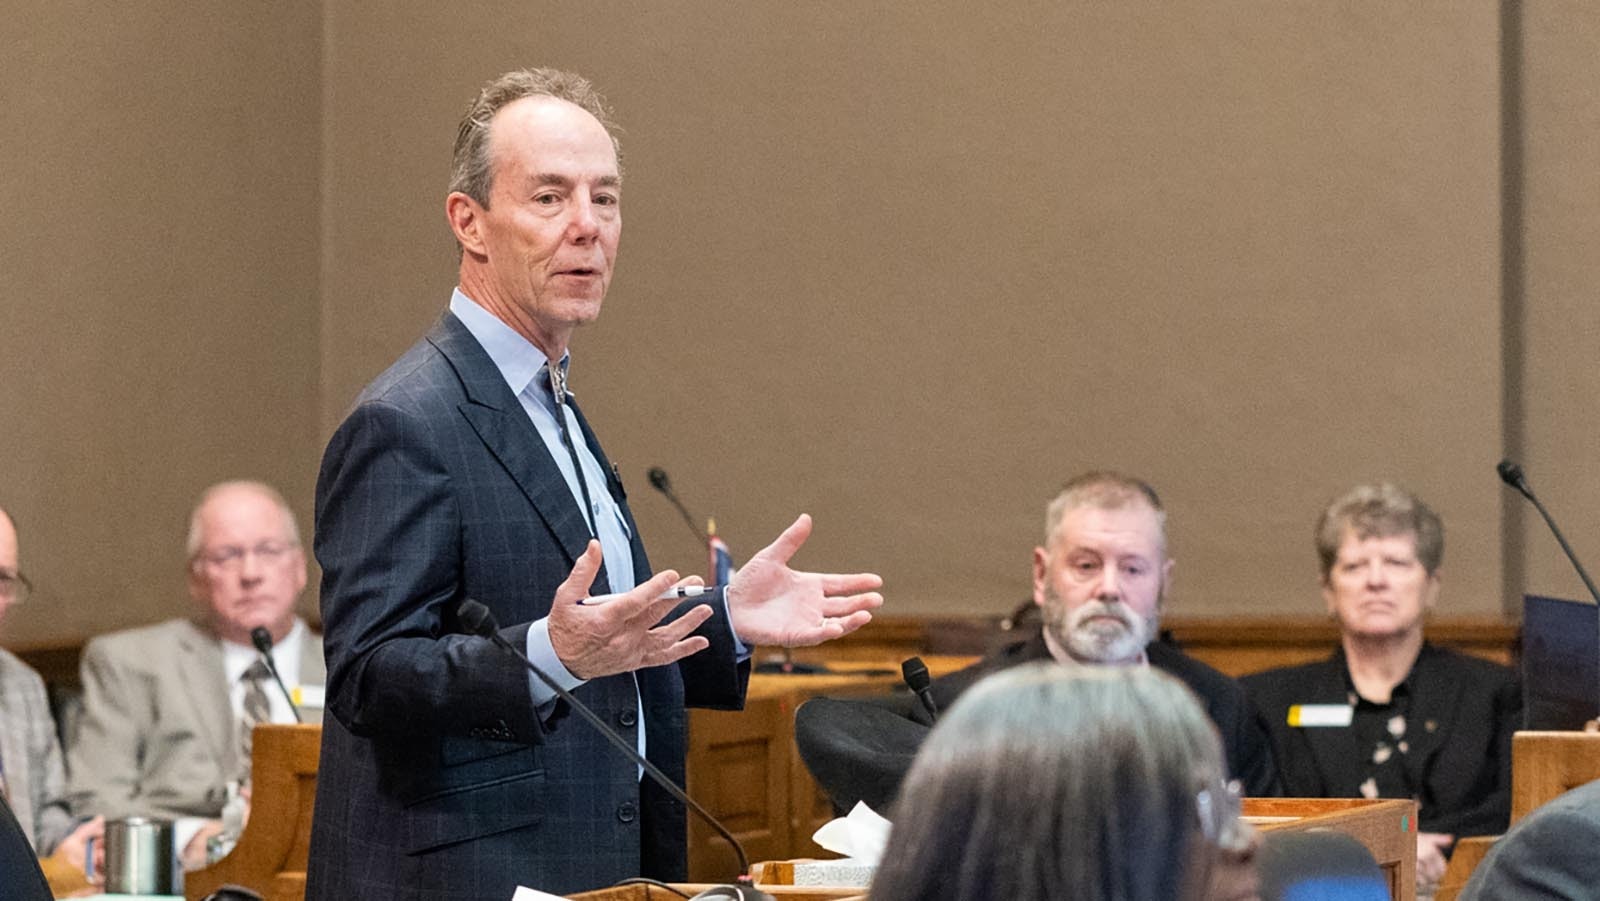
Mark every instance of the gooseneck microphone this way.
pixel 262 639
pixel 915 672
pixel 660 482
pixel 479 621
pixel 1512 475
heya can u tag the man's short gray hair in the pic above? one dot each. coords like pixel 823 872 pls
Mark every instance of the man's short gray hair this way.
pixel 472 169
pixel 1380 510
pixel 197 537
pixel 1104 490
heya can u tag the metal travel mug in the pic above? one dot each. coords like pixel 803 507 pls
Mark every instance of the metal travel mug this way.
pixel 139 857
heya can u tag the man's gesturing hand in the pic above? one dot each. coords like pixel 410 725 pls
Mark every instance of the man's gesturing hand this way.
pixel 621 635
pixel 772 604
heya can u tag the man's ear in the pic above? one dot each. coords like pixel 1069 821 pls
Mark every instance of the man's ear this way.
pixel 466 222
pixel 1041 574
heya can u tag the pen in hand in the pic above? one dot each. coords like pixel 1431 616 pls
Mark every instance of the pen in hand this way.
pixel 682 592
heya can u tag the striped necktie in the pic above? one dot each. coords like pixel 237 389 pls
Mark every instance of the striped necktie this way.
pixel 257 709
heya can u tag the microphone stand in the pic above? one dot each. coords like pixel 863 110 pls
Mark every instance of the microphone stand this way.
pixel 1512 475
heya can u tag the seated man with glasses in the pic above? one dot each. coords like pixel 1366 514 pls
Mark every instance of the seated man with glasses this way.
pixel 169 708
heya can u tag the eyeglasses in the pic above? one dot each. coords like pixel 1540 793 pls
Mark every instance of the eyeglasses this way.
pixel 14 587
pixel 231 557
pixel 1220 806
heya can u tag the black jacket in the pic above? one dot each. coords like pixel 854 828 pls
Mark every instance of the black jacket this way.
pixel 1460 760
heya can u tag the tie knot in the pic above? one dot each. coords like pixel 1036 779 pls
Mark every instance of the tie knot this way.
pixel 257 672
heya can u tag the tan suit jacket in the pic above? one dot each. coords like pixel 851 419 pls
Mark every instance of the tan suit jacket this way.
pixel 158 735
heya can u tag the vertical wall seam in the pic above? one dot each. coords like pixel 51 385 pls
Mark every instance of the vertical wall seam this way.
pixel 1513 546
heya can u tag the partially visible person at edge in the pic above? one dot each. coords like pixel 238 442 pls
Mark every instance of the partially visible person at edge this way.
pixel 1390 715
pixel 33 775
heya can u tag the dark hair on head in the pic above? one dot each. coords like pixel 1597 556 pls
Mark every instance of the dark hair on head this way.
pixel 472 169
pixel 1380 510
pixel 1045 782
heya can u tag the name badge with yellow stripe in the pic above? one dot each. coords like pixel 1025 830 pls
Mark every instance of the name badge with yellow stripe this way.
pixel 1320 716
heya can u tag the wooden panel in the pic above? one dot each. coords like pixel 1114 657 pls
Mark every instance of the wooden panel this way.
pixel 1234 645
pixel 1547 764
pixel 1468 853
pixel 738 769
pixel 271 855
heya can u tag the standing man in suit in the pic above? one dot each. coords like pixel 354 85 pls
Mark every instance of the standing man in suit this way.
pixel 1390 715
pixel 467 471
pixel 33 776
pixel 168 708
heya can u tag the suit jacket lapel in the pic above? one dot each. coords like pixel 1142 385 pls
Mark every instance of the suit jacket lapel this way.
pixel 502 425
pixel 204 682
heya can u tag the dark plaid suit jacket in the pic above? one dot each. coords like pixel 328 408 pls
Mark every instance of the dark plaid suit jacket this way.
pixel 437 778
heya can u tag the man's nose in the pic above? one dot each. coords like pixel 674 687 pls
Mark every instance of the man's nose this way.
pixel 585 223
pixel 250 567
pixel 1110 587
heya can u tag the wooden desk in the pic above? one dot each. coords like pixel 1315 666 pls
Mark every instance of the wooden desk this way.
pixel 271 855
pixel 1388 828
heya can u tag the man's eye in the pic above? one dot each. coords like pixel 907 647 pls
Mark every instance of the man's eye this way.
pixel 546 199
pixel 606 200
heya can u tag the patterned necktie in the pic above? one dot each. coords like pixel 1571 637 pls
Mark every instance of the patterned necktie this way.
pixel 257 709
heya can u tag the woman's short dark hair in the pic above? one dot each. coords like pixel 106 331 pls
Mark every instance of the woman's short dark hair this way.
pixel 1048 782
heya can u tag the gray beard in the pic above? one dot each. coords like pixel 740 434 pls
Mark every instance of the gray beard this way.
pixel 1099 642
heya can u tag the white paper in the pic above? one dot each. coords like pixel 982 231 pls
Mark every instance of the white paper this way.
pixel 523 893
pixel 859 836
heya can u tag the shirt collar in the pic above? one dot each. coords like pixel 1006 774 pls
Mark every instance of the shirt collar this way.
pixel 236 658
pixel 519 361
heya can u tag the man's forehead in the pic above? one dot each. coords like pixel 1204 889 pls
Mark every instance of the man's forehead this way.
pixel 541 129
pixel 1133 527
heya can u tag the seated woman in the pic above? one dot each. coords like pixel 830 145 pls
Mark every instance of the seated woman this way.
pixel 1389 715
pixel 1046 781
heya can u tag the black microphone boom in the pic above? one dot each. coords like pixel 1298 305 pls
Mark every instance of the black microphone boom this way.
pixel 1512 475
pixel 262 639
pixel 479 621
pixel 915 672
pixel 660 482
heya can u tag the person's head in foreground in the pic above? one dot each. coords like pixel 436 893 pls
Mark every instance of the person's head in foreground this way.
pixel 1050 782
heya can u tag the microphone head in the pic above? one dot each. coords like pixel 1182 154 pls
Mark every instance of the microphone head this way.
pixel 262 639
pixel 476 618
pixel 915 672
pixel 659 480
pixel 1511 474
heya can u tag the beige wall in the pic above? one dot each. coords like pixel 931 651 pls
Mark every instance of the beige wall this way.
pixel 904 268
pixel 159 166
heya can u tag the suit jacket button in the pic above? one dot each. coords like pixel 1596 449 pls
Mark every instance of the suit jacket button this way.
pixel 627 813
pixel 628 717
